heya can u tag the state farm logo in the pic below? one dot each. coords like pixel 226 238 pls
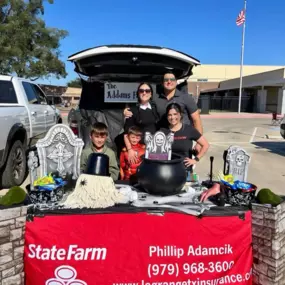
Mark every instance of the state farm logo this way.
pixel 72 252
pixel 65 275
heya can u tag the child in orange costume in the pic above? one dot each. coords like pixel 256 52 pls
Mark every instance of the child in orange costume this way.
pixel 127 170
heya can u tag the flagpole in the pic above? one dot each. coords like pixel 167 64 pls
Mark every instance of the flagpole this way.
pixel 241 60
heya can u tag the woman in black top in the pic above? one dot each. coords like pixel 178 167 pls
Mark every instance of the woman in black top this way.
pixel 145 116
pixel 184 135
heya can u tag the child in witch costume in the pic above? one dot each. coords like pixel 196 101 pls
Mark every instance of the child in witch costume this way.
pixel 128 169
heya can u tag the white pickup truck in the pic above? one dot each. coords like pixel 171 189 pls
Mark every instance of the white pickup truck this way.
pixel 24 118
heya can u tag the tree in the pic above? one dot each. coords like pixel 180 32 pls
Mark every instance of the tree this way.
pixel 75 83
pixel 29 48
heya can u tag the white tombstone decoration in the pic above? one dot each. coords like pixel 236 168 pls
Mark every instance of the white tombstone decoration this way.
pixel 158 145
pixel 237 160
pixel 60 150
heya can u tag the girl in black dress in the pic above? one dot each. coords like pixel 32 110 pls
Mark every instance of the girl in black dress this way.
pixel 145 116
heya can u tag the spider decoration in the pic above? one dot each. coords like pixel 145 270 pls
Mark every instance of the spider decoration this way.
pixel 83 182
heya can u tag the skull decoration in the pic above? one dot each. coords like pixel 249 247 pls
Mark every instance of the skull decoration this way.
pixel 236 162
pixel 159 139
pixel 240 159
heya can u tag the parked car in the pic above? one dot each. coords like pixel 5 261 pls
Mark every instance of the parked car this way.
pixel 73 117
pixel 113 73
pixel 25 117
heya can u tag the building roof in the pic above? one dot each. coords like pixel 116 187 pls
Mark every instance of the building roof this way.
pixel 219 72
pixel 72 91
pixel 270 78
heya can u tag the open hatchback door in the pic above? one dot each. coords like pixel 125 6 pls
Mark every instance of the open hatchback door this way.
pixel 110 77
pixel 132 63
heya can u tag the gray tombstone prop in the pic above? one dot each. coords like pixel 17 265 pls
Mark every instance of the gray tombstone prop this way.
pixel 238 160
pixel 158 146
pixel 60 150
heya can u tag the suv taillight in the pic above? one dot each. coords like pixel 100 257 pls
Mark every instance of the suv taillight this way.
pixel 74 127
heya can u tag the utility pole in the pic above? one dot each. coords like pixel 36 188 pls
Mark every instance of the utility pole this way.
pixel 241 60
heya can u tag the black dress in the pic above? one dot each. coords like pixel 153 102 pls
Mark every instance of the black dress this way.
pixel 145 119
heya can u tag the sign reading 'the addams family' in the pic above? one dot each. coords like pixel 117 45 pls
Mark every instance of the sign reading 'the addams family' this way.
pixel 121 92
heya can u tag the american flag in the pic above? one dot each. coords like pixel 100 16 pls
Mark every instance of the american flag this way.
pixel 241 18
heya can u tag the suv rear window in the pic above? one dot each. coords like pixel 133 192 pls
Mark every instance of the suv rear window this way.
pixel 7 92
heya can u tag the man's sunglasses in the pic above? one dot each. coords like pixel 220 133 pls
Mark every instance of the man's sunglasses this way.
pixel 172 79
pixel 144 90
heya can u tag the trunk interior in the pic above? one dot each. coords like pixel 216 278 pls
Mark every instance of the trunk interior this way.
pixel 122 64
pixel 92 109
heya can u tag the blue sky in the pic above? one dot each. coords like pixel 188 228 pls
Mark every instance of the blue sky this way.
pixel 205 29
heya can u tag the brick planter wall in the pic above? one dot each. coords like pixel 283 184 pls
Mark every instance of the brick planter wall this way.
pixel 12 230
pixel 268 234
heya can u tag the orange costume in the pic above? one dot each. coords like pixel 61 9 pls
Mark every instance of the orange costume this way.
pixel 126 168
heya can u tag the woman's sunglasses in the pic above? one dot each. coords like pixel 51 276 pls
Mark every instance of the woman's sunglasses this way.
pixel 147 91
pixel 172 79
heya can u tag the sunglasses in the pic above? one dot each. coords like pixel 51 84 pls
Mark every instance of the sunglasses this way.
pixel 172 79
pixel 144 90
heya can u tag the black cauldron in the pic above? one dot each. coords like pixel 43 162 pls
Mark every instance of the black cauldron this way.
pixel 162 177
pixel 97 164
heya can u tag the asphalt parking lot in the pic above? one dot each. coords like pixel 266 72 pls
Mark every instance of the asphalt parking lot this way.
pixel 266 168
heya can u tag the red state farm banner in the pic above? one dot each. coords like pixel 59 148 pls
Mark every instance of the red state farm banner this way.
pixel 138 249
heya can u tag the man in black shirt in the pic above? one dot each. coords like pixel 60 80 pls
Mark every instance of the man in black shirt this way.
pixel 172 95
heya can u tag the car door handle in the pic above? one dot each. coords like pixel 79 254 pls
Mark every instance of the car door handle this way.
pixel 33 113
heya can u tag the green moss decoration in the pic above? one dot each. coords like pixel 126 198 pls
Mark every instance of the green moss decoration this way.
pixel 266 196
pixel 15 195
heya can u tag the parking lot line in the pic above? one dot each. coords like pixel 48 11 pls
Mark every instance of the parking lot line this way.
pixel 226 142
pixel 253 135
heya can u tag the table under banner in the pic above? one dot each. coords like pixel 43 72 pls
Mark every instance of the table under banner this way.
pixel 125 247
